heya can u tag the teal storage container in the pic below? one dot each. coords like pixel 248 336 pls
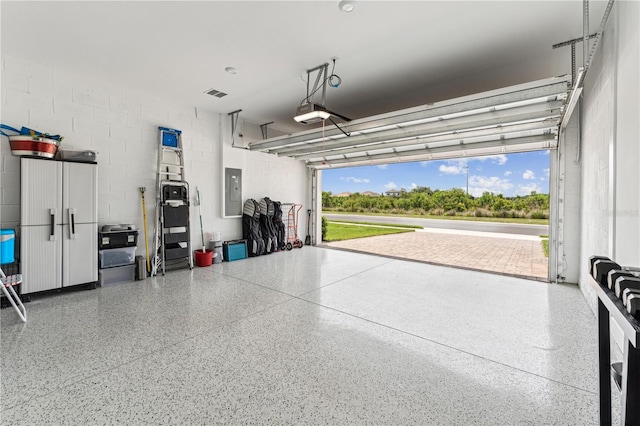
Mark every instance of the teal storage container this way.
pixel 7 246
pixel 234 250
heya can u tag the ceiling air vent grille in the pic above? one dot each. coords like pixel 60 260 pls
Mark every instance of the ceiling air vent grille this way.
pixel 216 93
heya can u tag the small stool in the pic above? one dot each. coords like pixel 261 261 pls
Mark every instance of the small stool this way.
pixel 7 282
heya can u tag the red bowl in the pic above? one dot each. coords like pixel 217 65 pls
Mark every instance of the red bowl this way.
pixel 33 146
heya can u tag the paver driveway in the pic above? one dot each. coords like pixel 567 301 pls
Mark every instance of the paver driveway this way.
pixel 517 255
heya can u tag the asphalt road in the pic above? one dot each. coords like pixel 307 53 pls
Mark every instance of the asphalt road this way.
pixel 463 225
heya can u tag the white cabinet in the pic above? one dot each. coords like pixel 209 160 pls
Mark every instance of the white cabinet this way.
pixel 79 263
pixel 41 258
pixel 59 229
pixel 41 192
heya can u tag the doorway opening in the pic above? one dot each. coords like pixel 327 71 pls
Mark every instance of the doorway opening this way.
pixel 488 213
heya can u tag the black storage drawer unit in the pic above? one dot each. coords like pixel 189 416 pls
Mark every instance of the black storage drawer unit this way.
pixel 175 217
pixel 174 251
pixel 117 239
pixel 176 245
pixel 176 237
pixel 175 192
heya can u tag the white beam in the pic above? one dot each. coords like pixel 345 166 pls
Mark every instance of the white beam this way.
pixel 494 118
pixel 465 136
pixel 531 143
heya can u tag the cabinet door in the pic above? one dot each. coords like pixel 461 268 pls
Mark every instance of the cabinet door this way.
pixel 41 258
pixel 80 189
pixel 80 254
pixel 41 191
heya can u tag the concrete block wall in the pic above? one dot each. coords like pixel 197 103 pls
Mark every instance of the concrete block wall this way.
pixel 627 133
pixel 610 214
pixel 279 178
pixel 121 124
pixel 597 135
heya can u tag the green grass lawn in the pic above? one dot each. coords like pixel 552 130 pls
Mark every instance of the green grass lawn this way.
pixel 468 218
pixel 545 244
pixel 342 231
pixel 380 224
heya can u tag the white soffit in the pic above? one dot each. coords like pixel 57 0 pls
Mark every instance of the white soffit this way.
pixel 513 119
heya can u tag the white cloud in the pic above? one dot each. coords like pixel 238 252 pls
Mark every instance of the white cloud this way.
pixel 425 163
pixel 507 173
pixel 480 184
pixel 382 166
pixel 354 179
pixel 457 166
pixel 546 152
pixel 500 159
pixel 413 185
pixel 526 189
pixel 546 172
pixel 390 185
pixel 452 169
pixel 528 174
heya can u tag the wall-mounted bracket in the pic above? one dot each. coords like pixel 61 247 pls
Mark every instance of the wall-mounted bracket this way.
pixel 235 115
pixel 572 43
pixel 322 75
pixel 263 128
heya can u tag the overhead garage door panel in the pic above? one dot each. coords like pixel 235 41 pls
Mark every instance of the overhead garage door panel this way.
pixel 514 119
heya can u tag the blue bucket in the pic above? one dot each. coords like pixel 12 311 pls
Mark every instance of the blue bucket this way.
pixel 7 245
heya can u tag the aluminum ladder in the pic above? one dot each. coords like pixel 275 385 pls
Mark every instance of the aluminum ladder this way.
pixel 171 236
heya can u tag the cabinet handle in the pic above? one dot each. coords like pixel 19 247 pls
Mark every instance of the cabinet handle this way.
pixel 72 224
pixel 52 218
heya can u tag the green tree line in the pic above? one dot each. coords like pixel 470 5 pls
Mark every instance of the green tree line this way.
pixel 451 202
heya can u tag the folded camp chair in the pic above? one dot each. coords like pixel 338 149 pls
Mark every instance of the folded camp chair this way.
pixel 7 283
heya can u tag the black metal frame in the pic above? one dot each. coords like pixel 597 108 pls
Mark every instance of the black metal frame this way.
pixel 611 306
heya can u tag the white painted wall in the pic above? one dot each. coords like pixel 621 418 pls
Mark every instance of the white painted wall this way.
pixel 610 213
pixel 627 135
pixel 122 125
pixel 281 179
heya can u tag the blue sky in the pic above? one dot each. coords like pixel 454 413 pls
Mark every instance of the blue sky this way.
pixel 507 174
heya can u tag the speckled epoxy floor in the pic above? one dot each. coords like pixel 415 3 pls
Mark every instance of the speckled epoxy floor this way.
pixel 311 336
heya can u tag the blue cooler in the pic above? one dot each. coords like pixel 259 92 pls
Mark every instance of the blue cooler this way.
pixel 7 245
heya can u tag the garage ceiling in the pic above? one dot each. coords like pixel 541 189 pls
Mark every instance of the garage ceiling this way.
pixel 391 55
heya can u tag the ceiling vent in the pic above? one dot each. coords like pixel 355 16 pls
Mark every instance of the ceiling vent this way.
pixel 216 93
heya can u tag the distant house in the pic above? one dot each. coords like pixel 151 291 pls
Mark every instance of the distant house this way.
pixel 370 194
pixel 393 193
pixel 343 194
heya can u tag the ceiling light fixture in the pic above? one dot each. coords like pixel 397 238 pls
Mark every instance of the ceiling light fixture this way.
pixel 347 5
pixel 311 113
pixel 231 70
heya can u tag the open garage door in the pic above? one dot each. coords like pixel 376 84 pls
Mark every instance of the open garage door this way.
pixel 519 118
pixel 514 119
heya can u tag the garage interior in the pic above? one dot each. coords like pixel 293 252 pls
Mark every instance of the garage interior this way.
pixel 312 335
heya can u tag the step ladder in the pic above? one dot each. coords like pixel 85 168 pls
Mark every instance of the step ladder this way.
pixel 171 236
